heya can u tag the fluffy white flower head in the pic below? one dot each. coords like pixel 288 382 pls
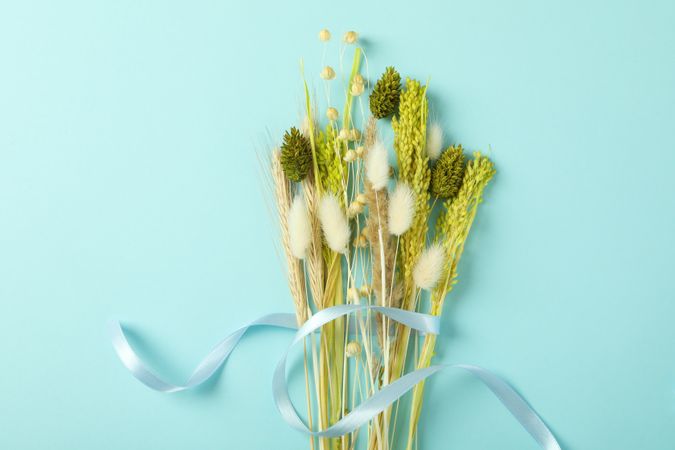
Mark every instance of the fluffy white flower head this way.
pixel 299 230
pixel 434 141
pixel 377 166
pixel 305 126
pixel 429 267
pixel 334 223
pixel 401 209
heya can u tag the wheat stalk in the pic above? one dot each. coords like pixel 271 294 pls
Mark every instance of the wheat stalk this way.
pixel 283 196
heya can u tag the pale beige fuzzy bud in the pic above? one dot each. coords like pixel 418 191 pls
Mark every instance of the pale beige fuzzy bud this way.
pixel 332 114
pixel 328 73
pixel 401 209
pixel 353 349
pixel 354 135
pixel 360 150
pixel 434 141
pixel 334 224
pixel 350 37
pixel 353 294
pixel 299 228
pixel 343 134
pixel 350 156
pixel 429 267
pixel 377 166
pixel 358 79
pixel 364 231
pixel 364 290
pixel 324 35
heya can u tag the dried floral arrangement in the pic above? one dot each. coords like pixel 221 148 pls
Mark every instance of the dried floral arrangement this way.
pixel 356 230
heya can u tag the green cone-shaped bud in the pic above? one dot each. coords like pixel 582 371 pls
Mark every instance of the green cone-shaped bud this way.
pixel 448 173
pixel 296 155
pixel 386 94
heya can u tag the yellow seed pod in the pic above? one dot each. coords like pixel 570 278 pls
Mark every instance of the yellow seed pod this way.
pixel 353 293
pixel 332 114
pixel 364 231
pixel 350 37
pixel 354 209
pixel 357 89
pixel 361 199
pixel 358 79
pixel 353 349
pixel 343 134
pixel 364 290
pixel 350 156
pixel 360 150
pixel 354 135
pixel 328 73
pixel 363 241
pixel 324 35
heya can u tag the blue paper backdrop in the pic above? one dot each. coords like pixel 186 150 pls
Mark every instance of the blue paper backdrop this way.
pixel 129 188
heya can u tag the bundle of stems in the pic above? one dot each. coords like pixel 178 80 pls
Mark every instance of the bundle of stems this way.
pixel 356 231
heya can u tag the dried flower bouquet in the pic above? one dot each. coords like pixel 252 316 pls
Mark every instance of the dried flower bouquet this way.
pixel 356 231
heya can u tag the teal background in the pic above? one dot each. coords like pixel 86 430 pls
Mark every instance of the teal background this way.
pixel 129 188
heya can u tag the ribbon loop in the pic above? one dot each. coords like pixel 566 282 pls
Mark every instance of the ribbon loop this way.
pixel 375 404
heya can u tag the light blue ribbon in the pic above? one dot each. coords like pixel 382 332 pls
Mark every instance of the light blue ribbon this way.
pixel 370 407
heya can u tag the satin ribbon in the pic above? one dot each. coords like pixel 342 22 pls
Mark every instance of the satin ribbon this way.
pixel 370 407
pixel 206 368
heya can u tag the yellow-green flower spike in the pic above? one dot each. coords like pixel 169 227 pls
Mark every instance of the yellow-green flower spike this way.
pixel 331 166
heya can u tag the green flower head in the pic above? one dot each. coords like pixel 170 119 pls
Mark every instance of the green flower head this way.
pixel 448 173
pixel 386 94
pixel 296 155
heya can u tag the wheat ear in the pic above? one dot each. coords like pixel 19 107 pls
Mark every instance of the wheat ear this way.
pixel 283 195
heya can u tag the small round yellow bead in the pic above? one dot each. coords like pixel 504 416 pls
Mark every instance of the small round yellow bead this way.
pixel 324 35
pixel 353 349
pixel 357 89
pixel 350 37
pixel 328 73
pixel 332 114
